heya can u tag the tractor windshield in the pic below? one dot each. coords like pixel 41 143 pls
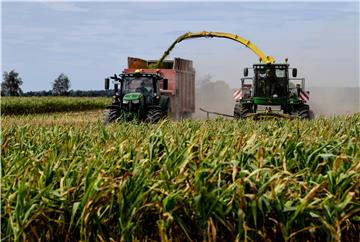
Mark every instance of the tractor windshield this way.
pixel 143 85
pixel 271 81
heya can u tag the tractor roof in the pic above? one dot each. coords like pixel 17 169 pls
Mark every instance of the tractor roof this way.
pixel 274 64
pixel 136 74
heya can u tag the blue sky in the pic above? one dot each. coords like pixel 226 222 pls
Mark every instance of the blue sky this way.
pixel 91 40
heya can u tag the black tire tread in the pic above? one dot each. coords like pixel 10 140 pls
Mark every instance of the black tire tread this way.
pixel 305 114
pixel 153 116
pixel 111 115
pixel 239 111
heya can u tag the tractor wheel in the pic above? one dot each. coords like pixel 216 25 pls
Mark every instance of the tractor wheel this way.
pixel 305 114
pixel 244 111
pixel 111 115
pixel 311 114
pixel 153 116
pixel 239 111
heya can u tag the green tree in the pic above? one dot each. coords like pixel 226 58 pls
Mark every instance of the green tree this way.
pixel 11 83
pixel 61 85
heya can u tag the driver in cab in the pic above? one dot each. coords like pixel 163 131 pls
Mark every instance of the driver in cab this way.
pixel 142 89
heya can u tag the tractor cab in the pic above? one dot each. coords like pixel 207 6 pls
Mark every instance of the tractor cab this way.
pixel 270 83
pixel 140 86
pixel 131 87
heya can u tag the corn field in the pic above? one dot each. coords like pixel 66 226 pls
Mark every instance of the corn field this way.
pixel 38 105
pixel 214 180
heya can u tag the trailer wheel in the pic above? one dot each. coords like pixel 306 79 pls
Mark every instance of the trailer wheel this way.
pixel 111 115
pixel 153 116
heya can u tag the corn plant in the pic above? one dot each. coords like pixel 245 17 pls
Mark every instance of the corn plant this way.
pixel 214 180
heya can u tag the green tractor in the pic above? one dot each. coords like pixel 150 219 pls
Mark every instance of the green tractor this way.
pixel 270 93
pixel 137 97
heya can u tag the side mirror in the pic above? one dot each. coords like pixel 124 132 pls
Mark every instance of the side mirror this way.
pixel 107 83
pixel 294 72
pixel 246 71
pixel 165 84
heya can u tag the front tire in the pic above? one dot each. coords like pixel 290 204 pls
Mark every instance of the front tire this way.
pixel 239 111
pixel 305 113
pixel 153 116
pixel 111 115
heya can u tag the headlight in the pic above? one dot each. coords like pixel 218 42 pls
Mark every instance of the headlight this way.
pixel 125 102
pixel 135 101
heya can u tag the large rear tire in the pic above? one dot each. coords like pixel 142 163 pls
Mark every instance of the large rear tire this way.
pixel 111 115
pixel 153 116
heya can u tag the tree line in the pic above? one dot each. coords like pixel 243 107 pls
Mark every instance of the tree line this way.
pixel 11 86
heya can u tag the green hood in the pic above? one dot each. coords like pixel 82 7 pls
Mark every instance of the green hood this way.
pixel 132 96
pixel 269 101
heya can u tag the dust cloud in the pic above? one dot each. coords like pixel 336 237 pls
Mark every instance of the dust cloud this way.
pixel 216 96
pixel 329 101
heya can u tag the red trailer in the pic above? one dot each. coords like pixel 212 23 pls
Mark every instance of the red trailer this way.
pixel 181 83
